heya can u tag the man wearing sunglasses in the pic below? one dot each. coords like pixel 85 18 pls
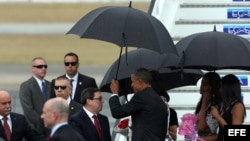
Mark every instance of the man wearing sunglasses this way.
pixel 33 94
pixel 79 81
pixel 63 89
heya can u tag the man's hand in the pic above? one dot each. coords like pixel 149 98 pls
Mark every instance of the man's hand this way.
pixel 114 86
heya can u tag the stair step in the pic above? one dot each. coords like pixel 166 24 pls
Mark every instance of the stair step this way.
pixel 177 39
pixel 209 5
pixel 190 21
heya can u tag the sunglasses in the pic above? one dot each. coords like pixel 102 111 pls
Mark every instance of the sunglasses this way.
pixel 70 63
pixel 41 66
pixel 62 87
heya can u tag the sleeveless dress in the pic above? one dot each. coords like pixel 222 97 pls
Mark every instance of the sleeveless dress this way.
pixel 212 123
pixel 227 117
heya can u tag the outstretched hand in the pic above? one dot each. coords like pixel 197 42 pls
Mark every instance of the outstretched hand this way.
pixel 114 86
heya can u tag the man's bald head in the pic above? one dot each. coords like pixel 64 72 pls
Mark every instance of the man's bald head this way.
pixel 55 111
pixel 5 103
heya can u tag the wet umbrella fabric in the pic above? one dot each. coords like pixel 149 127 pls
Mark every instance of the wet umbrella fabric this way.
pixel 143 58
pixel 214 50
pixel 125 27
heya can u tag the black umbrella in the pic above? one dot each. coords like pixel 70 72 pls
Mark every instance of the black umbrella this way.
pixel 125 26
pixel 143 58
pixel 214 50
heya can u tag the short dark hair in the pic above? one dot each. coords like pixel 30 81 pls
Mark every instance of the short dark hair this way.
pixel 88 93
pixel 63 77
pixel 158 84
pixel 144 75
pixel 72 54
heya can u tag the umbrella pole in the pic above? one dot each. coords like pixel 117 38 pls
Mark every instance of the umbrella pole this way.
pixel 213 93
pixel 118 66
pixel 182 68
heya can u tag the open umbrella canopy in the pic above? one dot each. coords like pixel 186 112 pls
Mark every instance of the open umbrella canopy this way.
pixel 151 60
pixel 171 80
pixel 140 58
pixel 125 27
pixel 214 50
pixel 180 77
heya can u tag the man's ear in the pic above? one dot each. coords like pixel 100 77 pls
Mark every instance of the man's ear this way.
pixel 88 101
pixel 140 80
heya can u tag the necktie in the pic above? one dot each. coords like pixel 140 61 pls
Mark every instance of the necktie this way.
pixel 6 128
pixel 72 92
pixel 49 136
pixel 97 126
pixel 44 91
pixel 71 82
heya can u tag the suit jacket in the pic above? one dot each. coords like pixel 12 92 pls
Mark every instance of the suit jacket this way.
pixel 83 82
pixel 83 124
pixel 32 101
pixel 74 107
pixel 66 133
pixel 20 129
pixel 148 112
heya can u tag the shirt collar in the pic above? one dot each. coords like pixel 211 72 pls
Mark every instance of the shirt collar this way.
pixel 75 77
pixel 53 130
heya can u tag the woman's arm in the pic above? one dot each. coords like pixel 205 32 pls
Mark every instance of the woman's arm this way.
pixel 173 132
pixel 237 113
pixel 214 111
pixel 202 124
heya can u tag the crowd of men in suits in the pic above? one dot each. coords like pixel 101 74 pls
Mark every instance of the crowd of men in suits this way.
pixel 68 107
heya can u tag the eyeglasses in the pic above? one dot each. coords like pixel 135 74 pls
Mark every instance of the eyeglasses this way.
pixel 62 87
pixel 98 98
pixel 41 66
pixel 70 63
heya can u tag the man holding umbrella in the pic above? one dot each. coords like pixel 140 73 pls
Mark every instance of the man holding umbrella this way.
pixel 148 111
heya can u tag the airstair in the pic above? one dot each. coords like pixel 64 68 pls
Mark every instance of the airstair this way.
pixel 186 17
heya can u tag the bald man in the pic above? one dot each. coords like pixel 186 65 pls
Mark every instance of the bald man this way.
pixel 55 117
pixel 19 127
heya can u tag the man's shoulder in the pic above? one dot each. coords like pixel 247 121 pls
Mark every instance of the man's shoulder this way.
pixel 76 115
pixel 16 115
pixel 72 102
pixel 80 75
pixel 47 81
pixel 58 76
pixel 102 116
pixel 28 81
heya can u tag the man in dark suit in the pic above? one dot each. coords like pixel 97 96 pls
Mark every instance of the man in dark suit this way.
pixel 83 121
pixel 79 81
pixel 55 116
pixel 148 111
pixel 33 94
pixel 63 89
pixel 17 123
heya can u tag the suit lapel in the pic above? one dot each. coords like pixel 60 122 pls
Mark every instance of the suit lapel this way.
pixel 36 87
pixel 88 121
pixel 2 134
pixel 14 121
pixel 78 88
pixel 71 106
